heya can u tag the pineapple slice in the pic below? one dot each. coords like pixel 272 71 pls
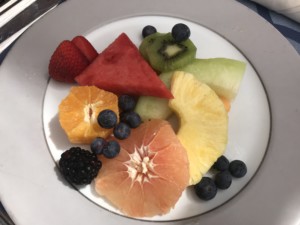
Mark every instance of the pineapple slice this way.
pixel 203 121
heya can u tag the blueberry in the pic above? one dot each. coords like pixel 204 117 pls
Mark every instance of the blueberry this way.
pixel 107 118
pixel 111 149
pixel 126 103
pixel 131 118
pixel 237 168
pixel 221 164
pixel 206 189
pixel 181 32
pixel 148 30
pixel 123 116
pixel 97 145
pixel 121 131
pixel 223 179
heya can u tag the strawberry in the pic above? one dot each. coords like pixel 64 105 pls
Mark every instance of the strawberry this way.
pixel 67 62
pixel 85 47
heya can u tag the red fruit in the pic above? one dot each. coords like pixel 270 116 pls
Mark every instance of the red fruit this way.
pixel 150 173
pixel 67 62
pixel 85 47
pixel 121 69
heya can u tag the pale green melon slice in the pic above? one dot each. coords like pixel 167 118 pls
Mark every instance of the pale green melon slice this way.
pixel 223 75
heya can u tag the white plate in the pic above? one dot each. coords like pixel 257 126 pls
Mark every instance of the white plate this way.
pixel 248 133
pixel 30 186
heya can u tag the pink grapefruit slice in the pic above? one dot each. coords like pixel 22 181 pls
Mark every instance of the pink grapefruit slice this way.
pixel 149 175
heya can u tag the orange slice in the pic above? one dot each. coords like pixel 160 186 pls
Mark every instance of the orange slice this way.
pixel 149 175
pixel 78 113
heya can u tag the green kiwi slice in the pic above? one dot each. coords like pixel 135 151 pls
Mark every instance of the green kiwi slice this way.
pixel 147 42
pixel 165 54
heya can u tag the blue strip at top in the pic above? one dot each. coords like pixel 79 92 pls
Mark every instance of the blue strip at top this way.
pixel 287 27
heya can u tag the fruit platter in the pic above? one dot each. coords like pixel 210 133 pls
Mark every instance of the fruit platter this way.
pixel 139 120
pixel 156 114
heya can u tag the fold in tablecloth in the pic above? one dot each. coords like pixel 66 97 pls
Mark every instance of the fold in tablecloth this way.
pixel 288 28
pixel 289 8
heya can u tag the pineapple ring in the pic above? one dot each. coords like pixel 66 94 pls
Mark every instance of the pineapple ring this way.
pixel 203 120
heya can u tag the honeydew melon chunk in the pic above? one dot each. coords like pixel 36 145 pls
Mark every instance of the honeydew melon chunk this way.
pixel 149 107
pixel 223 75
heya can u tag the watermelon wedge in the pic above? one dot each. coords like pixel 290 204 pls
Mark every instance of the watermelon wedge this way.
pixel 121 69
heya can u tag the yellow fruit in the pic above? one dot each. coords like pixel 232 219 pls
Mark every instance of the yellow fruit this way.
pixel 203 121
pixel 78 113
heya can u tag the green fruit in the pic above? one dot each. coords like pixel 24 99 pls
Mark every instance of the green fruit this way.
pixel 164 54
pixel 147 42
pixel 222 75
pixel 149 107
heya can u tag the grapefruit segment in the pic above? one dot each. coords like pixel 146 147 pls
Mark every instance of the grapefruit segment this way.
pixel 150 173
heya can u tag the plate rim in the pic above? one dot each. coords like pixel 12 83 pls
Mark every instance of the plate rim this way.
pixel 206 31
pixel 284 48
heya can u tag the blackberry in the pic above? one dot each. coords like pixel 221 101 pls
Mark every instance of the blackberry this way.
pixel 206 189
pixel 79 166
pixel 221 164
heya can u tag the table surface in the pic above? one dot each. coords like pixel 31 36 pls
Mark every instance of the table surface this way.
pixel 287 27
